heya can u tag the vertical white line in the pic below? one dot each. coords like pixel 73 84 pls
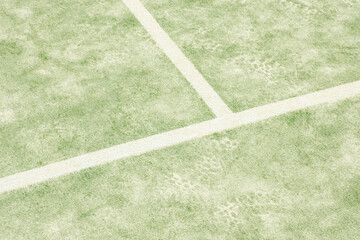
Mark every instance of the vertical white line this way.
pixel 183 64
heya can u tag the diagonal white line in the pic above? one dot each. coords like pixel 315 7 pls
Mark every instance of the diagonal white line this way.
pixel 183 64
pixel 177 136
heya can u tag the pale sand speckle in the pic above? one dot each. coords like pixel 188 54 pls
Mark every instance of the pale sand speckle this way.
pixel 7 116
pixel 23 13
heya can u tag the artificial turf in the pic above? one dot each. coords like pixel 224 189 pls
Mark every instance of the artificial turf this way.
pixel 78 76
pixel 295 176
pixel 254 52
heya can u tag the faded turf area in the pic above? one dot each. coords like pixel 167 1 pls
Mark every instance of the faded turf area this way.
pixel 291 177
pixel 255 52
pixel 78 76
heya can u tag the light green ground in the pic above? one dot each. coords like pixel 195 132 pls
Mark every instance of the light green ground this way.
pixel 255 52
pixel 293 177
pixel 77 76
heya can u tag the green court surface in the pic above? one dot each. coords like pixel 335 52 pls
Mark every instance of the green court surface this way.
pixel 254 52
pixel 291 177
pixel 78 76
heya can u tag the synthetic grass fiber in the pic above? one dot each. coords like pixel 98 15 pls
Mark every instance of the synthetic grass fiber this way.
pixel 78 76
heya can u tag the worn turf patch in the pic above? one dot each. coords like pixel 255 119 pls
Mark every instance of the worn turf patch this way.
pixel 254 52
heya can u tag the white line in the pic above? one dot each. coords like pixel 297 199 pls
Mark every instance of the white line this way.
pixel 137 147
pixel 188 70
